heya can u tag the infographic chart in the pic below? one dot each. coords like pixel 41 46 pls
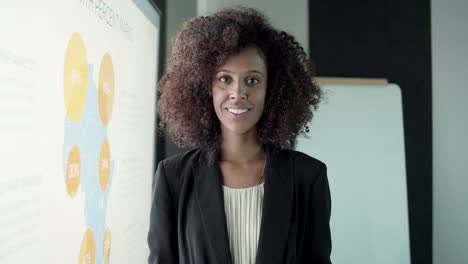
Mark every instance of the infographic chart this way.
pixel 77 130
pixel 86 147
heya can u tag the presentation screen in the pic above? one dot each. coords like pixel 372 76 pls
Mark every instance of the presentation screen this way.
pixel 77 130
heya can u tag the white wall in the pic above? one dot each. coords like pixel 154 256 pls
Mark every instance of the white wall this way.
pixel 290 16
pixel 450 130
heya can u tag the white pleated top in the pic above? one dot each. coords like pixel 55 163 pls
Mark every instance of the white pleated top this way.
pixel 243 209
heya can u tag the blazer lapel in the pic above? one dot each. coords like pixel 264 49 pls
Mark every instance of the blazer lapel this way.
pixel 277 206
pixel 208 187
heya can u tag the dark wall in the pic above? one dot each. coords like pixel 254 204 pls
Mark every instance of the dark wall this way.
pixel 392 40
pixel 161 6
pixel 172 17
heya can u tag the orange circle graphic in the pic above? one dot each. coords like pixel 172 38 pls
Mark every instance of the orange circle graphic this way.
pixel 75 77
pixel 104 165
pixel 106 248
pixel 106 89
pixel 73 173
pixel 87 251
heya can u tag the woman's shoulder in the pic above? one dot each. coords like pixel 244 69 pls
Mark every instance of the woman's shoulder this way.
pixel 302 159
pixel 307 169
pixel 176 161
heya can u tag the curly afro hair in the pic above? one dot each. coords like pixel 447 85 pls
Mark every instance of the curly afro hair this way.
pixel 202 45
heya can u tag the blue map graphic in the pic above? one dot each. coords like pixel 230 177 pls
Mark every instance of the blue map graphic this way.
pixel 89 134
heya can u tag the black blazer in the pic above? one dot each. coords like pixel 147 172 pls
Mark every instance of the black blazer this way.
pixel 188 223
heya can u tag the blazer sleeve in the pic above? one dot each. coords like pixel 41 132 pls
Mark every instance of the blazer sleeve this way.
pixel 317 242
pixel 162 235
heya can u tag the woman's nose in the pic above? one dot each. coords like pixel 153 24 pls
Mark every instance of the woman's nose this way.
pixel 239 91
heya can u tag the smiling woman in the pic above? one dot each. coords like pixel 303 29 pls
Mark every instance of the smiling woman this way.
pixel 239 92
pixel 201 47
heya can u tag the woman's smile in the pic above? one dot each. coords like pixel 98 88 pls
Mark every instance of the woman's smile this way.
pixel 238 114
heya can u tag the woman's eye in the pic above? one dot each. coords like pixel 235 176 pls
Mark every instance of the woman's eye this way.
pixel 252 81
pixel 224 79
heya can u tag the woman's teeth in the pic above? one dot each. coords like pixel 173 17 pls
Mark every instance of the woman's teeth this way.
pixel 237 111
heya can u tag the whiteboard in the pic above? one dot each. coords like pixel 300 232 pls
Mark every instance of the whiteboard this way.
pixel 358 132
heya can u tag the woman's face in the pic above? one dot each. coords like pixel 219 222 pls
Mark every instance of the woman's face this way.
pixel 239 89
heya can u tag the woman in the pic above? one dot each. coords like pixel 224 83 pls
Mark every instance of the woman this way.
pixel 239 92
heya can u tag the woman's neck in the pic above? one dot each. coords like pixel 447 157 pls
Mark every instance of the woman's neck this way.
pixel 241 148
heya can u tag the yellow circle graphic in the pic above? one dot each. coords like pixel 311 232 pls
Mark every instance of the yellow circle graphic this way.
pixel 104 165
pixel 87 251
pixel 75 77
pixel 106 89
pixel 73 173
pixel 106 248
